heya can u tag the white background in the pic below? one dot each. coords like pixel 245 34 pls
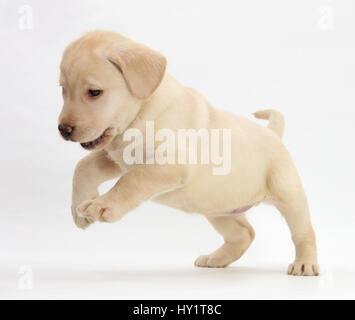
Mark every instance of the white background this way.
pixel 295 56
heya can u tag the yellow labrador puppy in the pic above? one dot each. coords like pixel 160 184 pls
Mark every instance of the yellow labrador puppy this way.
pixel 112 84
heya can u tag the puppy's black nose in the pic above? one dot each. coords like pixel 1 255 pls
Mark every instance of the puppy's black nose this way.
pixel 65 130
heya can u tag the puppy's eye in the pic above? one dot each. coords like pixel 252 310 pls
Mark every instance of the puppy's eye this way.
pixel 94 93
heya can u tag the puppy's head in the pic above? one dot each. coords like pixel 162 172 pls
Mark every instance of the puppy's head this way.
pixel 105 79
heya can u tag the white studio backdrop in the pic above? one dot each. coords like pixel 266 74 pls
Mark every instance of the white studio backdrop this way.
pixel 295 56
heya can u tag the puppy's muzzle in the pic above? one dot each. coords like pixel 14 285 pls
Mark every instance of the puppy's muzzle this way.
pixel 65 130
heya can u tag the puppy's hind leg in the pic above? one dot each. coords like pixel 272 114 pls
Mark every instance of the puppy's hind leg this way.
pixel 238 235
pixel 290 199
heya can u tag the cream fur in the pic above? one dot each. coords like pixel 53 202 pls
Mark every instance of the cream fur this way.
pixel 135 89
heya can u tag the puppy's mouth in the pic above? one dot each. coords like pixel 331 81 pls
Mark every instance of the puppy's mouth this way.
pixel 101 140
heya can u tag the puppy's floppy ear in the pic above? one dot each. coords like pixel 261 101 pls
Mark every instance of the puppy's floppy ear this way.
pixel 142 68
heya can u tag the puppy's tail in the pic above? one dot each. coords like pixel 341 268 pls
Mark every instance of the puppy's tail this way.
pixel 276 120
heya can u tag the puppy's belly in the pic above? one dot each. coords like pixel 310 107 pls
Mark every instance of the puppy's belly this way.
pixel 238 210
pixel 215 196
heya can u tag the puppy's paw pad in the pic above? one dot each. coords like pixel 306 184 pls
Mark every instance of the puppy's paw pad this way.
pixel 107 215
pixel 299 268
pixel 81 210
pixel 210 261
pixel 94 210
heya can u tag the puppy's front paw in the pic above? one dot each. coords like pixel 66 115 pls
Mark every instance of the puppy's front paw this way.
pixel 80 222
pixel 97 210
pixel 302 268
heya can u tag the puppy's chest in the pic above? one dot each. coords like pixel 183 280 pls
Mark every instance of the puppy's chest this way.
pixel 117 157
pixel 127 154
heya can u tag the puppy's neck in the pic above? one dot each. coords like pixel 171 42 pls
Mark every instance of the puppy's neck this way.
pixel 163 97
pixel 169 91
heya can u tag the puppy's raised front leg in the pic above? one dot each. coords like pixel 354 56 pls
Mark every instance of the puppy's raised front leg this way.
pixel 89 173
pixel 238 235
pixel 131 190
